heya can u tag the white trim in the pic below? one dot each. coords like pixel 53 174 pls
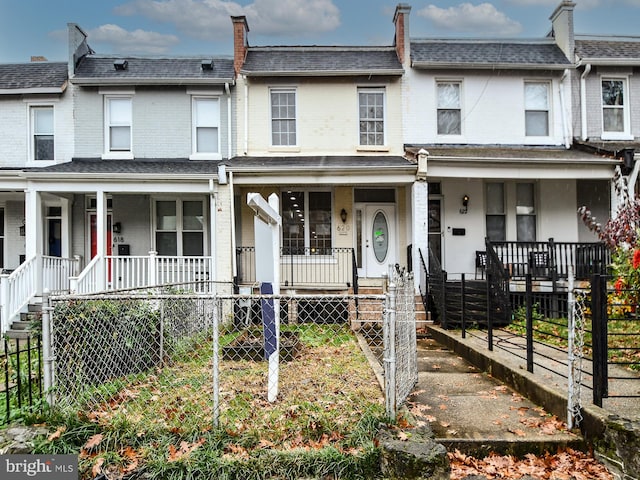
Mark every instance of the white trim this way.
pixel 377 90
pixel 117 154
pixel 205 91
pixel 283 89
pixel 626 109
pixel 117 91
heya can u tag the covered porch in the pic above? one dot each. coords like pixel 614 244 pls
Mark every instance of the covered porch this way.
pixel 116 225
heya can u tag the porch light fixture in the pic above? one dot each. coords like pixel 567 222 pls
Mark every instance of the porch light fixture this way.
pixel 21 230
pixel 343 215
pixel 465 204
pixel 117 227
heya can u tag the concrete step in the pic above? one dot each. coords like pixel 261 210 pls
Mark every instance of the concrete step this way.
pixel 20 325
pixel 18 334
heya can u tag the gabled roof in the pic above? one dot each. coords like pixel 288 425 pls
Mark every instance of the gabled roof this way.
pixel 321 61
pixel 608 50
pixel 484 54
pixel 36 77
pixel 100 70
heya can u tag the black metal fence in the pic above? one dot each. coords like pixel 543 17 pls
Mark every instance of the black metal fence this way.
pixel 21 390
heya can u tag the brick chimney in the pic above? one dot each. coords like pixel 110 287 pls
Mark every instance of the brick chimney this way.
pixel 240 41
pixel 401 40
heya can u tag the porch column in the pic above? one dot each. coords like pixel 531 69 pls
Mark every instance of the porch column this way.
pixel 213 274
pixel 420 221
pixel 101 239
pixel 65 227
pixel 34 235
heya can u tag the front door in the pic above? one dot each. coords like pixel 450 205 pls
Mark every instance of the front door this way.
pixel 378 240
pixel 93 220
pixel 435 231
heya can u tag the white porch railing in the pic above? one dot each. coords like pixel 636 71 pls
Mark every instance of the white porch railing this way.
pixel 28 280
pixel 120 272
pixel 17 289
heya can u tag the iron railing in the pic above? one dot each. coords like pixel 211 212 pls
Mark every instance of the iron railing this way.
pixel 551 260
pixel 304 267
pixel 21 388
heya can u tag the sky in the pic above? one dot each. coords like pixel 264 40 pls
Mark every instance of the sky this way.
pixel 198 27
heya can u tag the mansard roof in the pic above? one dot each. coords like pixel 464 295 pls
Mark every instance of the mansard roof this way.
pixel 483 54
pixel 35 77
pixel 131 70
pixel 608 50
pixel 321 61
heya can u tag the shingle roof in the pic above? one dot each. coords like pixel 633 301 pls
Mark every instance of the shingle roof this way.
pixel 307 163
pixel 324 61
pixel 507 153
pixel 178 166
pixel 100 69
pixel 487 54
pixel 33 76
pixel 622 49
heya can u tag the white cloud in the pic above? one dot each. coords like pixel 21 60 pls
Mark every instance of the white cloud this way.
pixel 581 4
pixel 482 19
pixel 209 19
pixel 137 41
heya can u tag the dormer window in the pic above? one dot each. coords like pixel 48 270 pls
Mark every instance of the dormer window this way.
pixel 207 65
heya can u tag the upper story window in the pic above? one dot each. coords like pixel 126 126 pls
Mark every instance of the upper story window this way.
pixel 206 125
pixel 118 121
pixel 615 110
pixel 42 133
pixel 283 117
pixel 536 109
pixel 371 116
pixel 449 108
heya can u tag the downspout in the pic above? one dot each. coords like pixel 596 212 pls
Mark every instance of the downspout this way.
pixel 234 262
pixel 583 100
pixel 213 274
pixel 633 178
pixel 566 133
pixel 229 142
pixel 246 115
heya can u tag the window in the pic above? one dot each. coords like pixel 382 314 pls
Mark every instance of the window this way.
pixel 449 113
pixel 306 222
pixel 180 227
pixel 536 109
pixel 614 111
pixel 496 219
pixel 283 117
pixel 206 122
pixel 525 213
pixel 371 107
pixel 42 128
pixel 118 122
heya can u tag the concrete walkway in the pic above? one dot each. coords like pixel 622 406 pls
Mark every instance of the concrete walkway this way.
pixel 481 400
pixel 475 413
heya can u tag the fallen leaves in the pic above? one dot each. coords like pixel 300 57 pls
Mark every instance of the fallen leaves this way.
pixel 566 464
pixel 183 451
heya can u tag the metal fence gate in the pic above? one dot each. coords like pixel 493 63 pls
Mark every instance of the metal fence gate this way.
pixel 400 349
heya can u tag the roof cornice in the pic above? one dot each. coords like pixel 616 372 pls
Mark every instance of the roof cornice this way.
pixel 323 73
pixel 489 66
pixel 108 81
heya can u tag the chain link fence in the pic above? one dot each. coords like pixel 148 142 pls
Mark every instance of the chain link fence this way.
pixel 200 360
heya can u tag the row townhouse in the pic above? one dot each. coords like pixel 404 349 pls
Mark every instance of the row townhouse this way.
pixel 127 171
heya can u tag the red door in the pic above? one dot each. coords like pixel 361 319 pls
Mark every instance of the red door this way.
pixel 93 219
